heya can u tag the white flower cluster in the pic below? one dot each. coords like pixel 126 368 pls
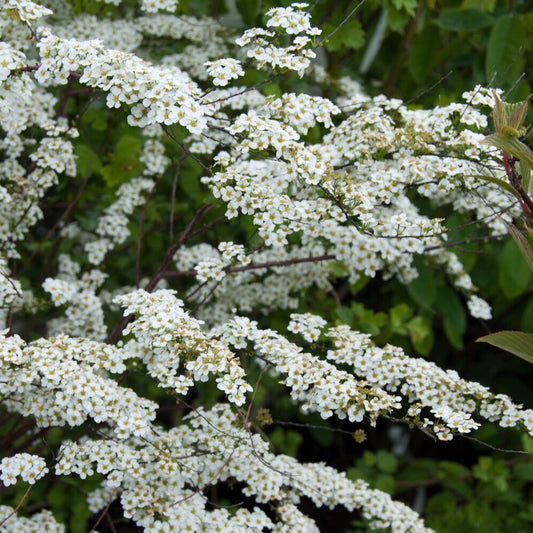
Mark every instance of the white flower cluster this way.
pixel 115 34
pixel 84 315
pixel 479 308
pixel 10 59
pixel 292 21
pixel 152 6
pixel 63 381
pixel 271 287
pixel 40 521
pixel 28 467
pixel 452 400
pixel 112 226
pixel 26 10
pixel 301 111
pixel 214 266
pixel 157 95
pixel 224 70
pixel 157 478
pixel 309 326
pixel 169 337
pixel 345 206
pixel 317 385
pixel 323 388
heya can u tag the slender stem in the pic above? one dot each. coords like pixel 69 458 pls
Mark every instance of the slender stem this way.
pixel 244 268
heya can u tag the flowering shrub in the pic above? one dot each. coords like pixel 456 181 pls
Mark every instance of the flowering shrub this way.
pixel 190 219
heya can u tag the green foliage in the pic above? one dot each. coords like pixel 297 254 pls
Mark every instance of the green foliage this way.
pixel 249 10
pixel 464 20
pixel 124 161
pixel 515 275
pixel 400 321
pixel 516 342
pixel 505 57
pixel 454 317
pixel 350 36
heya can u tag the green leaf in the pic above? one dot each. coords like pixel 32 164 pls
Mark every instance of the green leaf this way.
pixel 516 342
pixel 505 43
pixel 408 5
pixel 421 54
pixel 453 314
pixel 385 484
pixel 386 461
pixel 399 314
pixel 350 36
pixel 464 20
pixel 423 288
pixel 451 309
pixel 345 315
pixel 87 162
pixel 514 274
pixel 526 319
pixel 482 5
pixel 450 468
pixel 128 147
pixel 97 118
pixel 421 334
pixel 248 9
pixel 525 171
pixel 497 181
pixel 286 442
pixel 511 145
pixel 455 338
pixel 527 443
pixel 522 242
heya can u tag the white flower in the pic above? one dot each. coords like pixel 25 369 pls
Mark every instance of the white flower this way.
pixel 224 70
pixel 479 308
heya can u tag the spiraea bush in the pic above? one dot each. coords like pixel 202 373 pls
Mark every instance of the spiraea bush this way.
pixel 189 211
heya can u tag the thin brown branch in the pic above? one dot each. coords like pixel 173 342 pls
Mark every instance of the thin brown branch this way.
pixel 104 512
pixel 64 215
pixel 171 252
pixel 255 266
pixel 18 505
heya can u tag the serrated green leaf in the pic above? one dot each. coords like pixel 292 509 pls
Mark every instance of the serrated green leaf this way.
pixel 511 145
pixel 128 147
pixel 505 43
pixel 345 315
pixel 514 274
pixel 350 36
pixel 464 20
pixel 399 314
pixel 516 342
pixel 408 5
pixel 87 162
